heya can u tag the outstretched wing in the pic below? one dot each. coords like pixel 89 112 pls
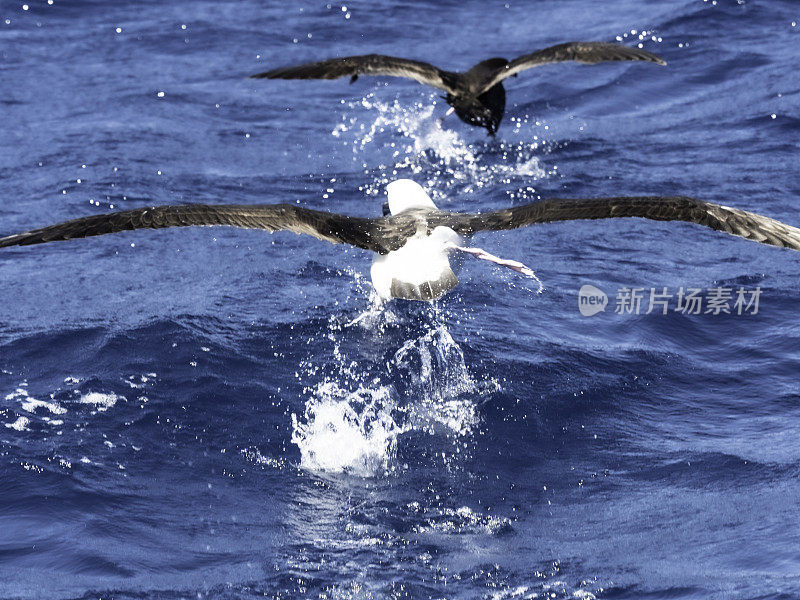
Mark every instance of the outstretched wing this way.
pixel 370 64
pixel 659 208
pixel 379 235
pixel 583 52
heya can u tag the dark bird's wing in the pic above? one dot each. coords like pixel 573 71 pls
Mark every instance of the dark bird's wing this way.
pixel 659 208
pixel 370 64
pixel 379 235
pixel 583 52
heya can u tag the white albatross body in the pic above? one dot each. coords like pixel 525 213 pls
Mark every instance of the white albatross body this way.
pixel 421 268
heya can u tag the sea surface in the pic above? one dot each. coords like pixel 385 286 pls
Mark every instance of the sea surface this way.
pixel 225 413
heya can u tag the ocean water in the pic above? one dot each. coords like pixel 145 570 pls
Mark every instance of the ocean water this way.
pixel 221 413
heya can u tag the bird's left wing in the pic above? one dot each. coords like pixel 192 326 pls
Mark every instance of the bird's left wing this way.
pixel 369 64
pixel 379 235
pixel 583 52
pixel 737 222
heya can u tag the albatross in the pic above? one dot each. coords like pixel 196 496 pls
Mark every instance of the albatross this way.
pixel 414 243
pixel 477 96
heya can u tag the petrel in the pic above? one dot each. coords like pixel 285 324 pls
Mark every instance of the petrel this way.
pixel 477 96
pixel 413 245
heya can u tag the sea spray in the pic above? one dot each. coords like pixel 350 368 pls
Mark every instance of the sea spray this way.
pixel 438 157
pixel 347 432
pixel 437 382
pixel 358 407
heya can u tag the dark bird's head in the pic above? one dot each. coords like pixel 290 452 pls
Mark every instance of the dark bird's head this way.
pixel 475 104
pixel 471 110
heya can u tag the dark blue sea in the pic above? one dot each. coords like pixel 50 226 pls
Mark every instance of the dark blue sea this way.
pixel 227 413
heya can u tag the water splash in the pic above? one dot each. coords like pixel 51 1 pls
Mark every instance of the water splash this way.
pixel 412 142
pixel 347 432
pixel 438 383
pixel 357 409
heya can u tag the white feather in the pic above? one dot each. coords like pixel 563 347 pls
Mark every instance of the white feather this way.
pixel 423 258
pixel 405 194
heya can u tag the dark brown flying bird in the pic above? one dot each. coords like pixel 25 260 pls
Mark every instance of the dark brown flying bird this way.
pixel 414 243
pixel 477 96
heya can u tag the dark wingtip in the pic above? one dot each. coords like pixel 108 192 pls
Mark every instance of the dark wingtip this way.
pixel 265 75
pixel 18 239
pixel 656 59
pixel 644 55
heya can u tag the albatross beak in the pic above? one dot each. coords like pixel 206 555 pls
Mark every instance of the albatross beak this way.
pixel 447 114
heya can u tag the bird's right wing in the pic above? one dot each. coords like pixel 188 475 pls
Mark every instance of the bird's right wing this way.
pixel 370 64
pixel 589 53
pixel 380 235
pixel 734 221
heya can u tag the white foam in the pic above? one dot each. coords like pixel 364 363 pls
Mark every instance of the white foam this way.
pixel 31 404
pixel 20 424
pixel 100 400
pixel 138 381
pixel 19 392
pixel 347 432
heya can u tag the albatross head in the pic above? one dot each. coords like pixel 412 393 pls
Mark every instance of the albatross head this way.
pixel 405 194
